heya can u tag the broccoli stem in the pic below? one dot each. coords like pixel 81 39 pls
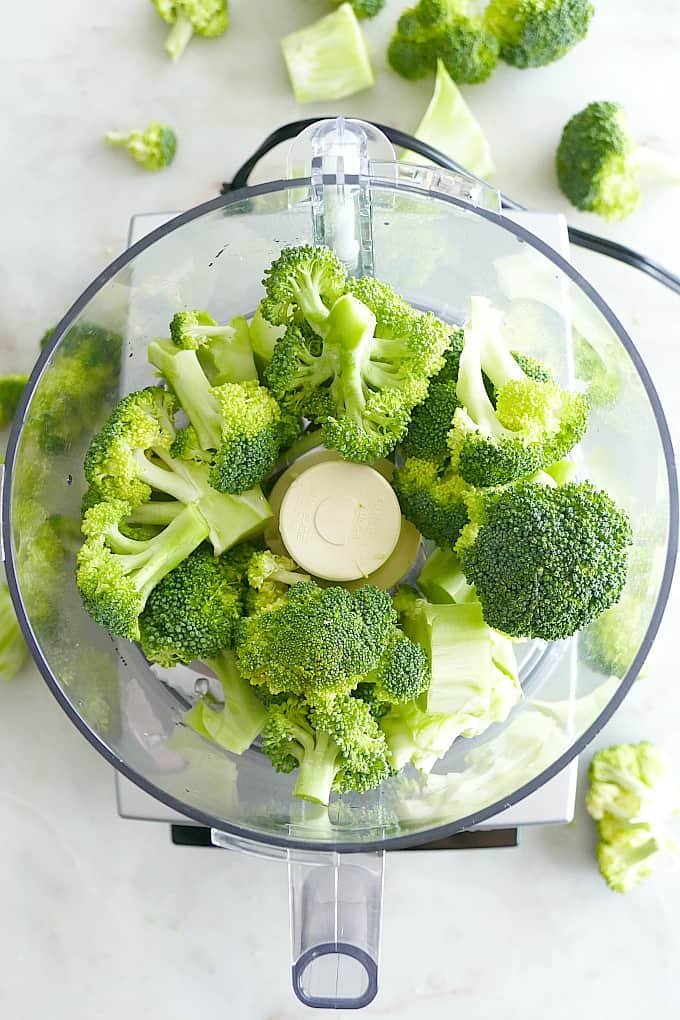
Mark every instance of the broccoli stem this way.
pixel 242 719
pixel 182 370
pixel 351 328
pixel 116 138
pixel 470 389
pixel 159 512
pixel 151 560
pixel 166 480
pixel 317 770
pixel 179 36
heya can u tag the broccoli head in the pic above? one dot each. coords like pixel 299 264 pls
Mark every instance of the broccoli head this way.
pixel 153 148
pixel 301 285
pixel 545 562
pixel 452 31
pixel 224 351
pixel 208 18
pixel 403 672
pixel 11 388
pixel 433 499
pixel 532 33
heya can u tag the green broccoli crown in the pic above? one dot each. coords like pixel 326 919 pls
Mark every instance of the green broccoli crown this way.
pixel 532 33
pixel 186 446
pixel 546 562
pixel 432 499
pixel 153 148
pixel 208 18
pixel 319 642
pixel 13 650
pixel 191 614
pixel 224 351
pixel 369 694
pixel 301 285
pixel 46 337
pixel 426 438
pixel 116 574
pixel 596 165
pixel 403 672
pixel 447 30
pixel 11 388
pixel 627 861
pixel 363 761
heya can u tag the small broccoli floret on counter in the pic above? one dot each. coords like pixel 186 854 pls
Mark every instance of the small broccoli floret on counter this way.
pixel 224 351
pixel 209 18
pixel 432 499
pixel 452 31
pixel 632 797
pixel 328 59
pixel 235 724
pixel 599 163
pixel 266 568
pixel 11 388
pixel 321 641
pixel 545 562
pixel 13 650
pixel 153 148
pixel 533 422
pixel 532 33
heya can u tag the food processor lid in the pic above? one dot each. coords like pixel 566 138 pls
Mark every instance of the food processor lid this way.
pixel 406 223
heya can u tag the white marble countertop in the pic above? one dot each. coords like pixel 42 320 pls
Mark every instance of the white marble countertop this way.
pixel 106 919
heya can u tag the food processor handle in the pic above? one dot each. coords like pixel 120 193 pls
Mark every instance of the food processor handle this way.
pixel 335 920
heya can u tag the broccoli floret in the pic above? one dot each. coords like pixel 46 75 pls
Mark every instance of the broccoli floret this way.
pixel 433 499
pixel 153 148
pixel 116 574
pixel 301 286
pixel 321 641
pixel 208 18
pixel 11 388
pixel 238 428
pixel 403 672
pixel 632 798
pixel 448 30
pixel 224 352
pixel 13 650
pixel 442 579
pixel 545 562
pixel 426 438
pixel 363 379
pixel 533 423
pixel 191 614
pixel 237 723
pixel 532 33
pixel 267 568
pixel 336 747
pixel 598 162
pixel 328 59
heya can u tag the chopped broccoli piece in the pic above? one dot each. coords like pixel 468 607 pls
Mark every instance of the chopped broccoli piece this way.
pixel 224 352
pixel 532 33
pixel 426 438
pixel 442 579
pixel 153 148
pixel 533 423
pixel 433 499
pixel 235 725
pixel 450 126
pixel 301 286
pixel 364 8
pixel 11 388
pixel 545 562
pixel 598 162
pixel 208 18
pixel 13 650
pixel 402 674
pixel 319 642
pixel 328 59
pixel 452 31
pixel 632 798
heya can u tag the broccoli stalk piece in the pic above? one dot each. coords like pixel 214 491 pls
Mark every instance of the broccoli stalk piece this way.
pixel 599 163
pixel 11 388
pixel 301 286
pixel 442 579
pixel 433 499
pixel 532 33
pixel 209 18
pixel 328 59
pixel 13 650
pixel 545 561
pixel 450 126
pixel 632 798
pixel 235 725
pixel 224 352
pixel 450 30
pixel 534 422
pixel 153 148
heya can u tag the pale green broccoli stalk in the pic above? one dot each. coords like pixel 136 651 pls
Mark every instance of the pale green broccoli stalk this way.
pixel 532 33
pixel 328 59
pixel 599 162
pixel 442 579
pixel 263 337
pixel 452 31
pixel 401 676
pixel 224 352
pixel 450 126
pixel 364 8
pixel 13 650
pixel 632 798
pixel 153 148
pixel 11 388
pixel 237 723
pixel 209 18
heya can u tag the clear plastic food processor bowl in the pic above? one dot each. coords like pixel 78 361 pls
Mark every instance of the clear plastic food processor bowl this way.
pixel 438 239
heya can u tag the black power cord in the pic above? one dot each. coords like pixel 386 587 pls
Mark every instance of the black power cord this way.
pixel 580 238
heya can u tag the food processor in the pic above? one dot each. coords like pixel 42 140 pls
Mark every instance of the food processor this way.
pixel 438 237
